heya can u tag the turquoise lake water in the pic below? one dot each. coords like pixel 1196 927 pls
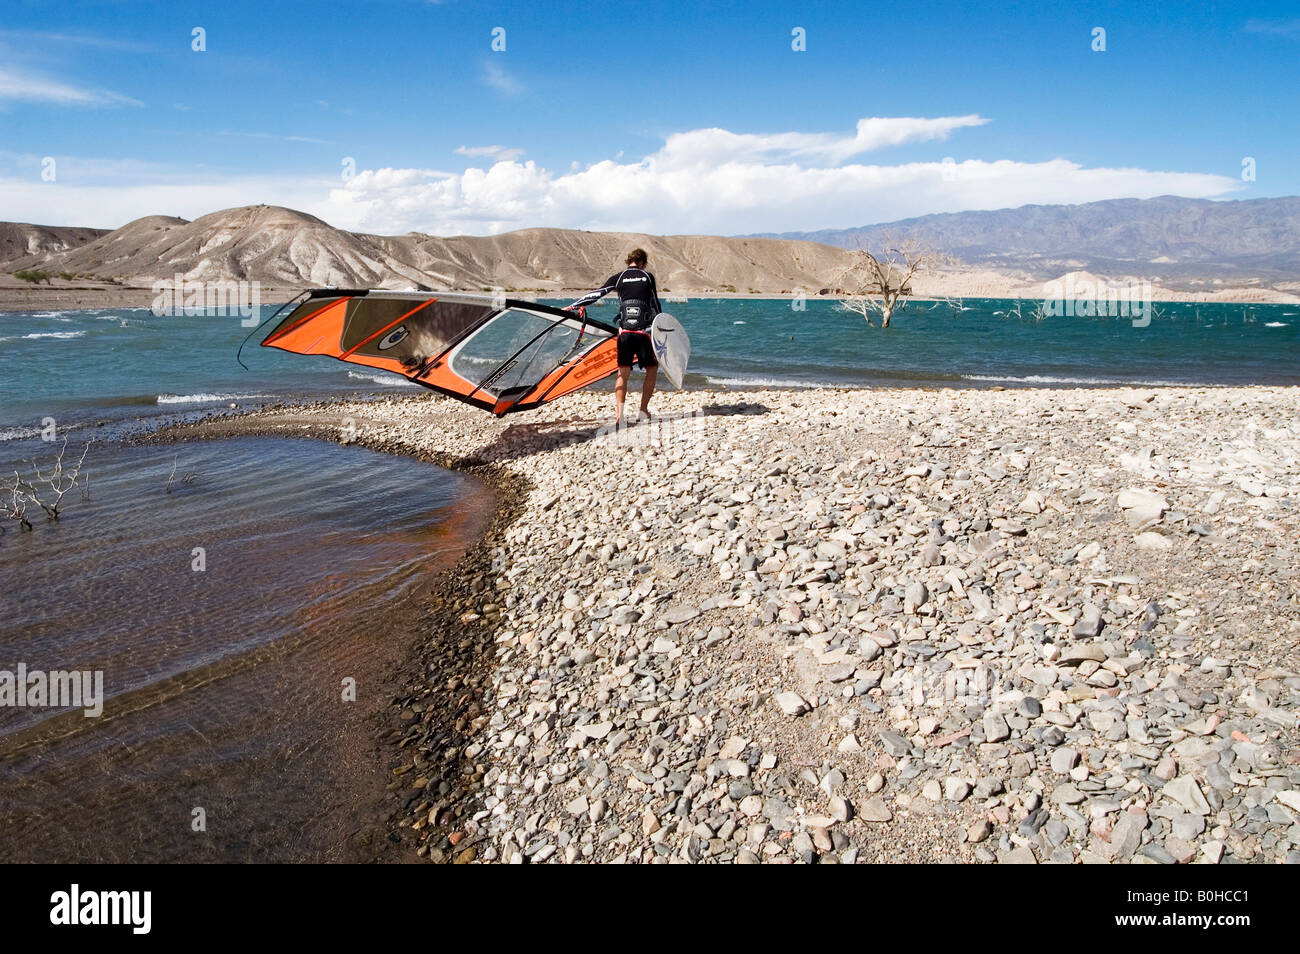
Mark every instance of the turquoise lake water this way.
pixel 122 364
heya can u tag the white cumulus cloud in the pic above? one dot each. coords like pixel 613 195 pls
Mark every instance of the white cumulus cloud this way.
pixel 713 146
pixel 707 181
pixel 716 181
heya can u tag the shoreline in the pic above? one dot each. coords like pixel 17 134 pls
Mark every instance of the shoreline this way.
pixel 293 738
pixel 725 657
pixel 493 505
pixel 20 298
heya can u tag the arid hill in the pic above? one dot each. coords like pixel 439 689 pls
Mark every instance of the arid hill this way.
pixel 19 240
pixel 284 248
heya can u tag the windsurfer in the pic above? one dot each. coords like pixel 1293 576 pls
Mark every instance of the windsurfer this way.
pixel 638 305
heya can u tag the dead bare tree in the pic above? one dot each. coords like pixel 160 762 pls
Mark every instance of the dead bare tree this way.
pixel 1038 314
pixel 56 483
pixel 187 479
pixel 874 283
pixel 16 505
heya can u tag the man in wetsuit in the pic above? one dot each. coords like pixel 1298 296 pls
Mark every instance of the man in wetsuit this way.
pixel 638 304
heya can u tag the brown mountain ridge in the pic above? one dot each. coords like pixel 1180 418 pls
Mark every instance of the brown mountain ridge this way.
pixel 285 248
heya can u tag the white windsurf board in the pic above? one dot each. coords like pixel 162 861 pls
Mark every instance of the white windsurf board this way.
pixel 672 347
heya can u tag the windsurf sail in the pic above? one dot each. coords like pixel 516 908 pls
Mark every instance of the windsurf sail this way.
pixel 500 355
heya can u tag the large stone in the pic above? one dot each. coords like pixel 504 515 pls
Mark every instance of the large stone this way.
pixel 841 808
pixel 791 703
pixel 777 810
pixel 1077 654
pixel 1067 794
pixel 1181 851
pixel 1187 793
pixel 1126 837
pixel 1033 502
pixel 1141 507
pixel 1020 855
pixel 1153 541
pixel 895 744
pixel 837 672
pixel 680 614
pixel 1089 624
pixel 996 728
pixel 1064 759
pixel 1187 825
pixel 956 789
pixel 1057 831
pixel 1290 798
pixel 1158 854
pixel 916 596
pixel 875 810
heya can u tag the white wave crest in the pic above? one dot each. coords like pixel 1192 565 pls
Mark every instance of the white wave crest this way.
pixel 395 380
pixel 1055 379
pixel 759 382
pixel 204 398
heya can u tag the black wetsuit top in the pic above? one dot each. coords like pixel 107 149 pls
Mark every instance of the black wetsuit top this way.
pixel 632 285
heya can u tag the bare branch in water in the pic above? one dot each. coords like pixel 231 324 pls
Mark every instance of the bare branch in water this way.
pixel 56 483
pixel 16 505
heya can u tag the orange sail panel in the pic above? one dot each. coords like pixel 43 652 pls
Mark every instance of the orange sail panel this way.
pixel 500 356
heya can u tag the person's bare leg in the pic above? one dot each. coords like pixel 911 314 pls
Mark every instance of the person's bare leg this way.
pixel 620 394
pixel 648 388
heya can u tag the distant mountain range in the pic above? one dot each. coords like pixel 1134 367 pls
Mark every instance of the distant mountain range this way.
pixel 1188 248
pixel 1167 236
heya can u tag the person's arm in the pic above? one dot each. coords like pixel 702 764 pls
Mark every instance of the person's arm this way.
pixel 594 296
pixel 654 294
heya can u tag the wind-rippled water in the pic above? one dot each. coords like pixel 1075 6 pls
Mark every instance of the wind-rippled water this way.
pixel 111 365
pixel 980 342
pixel 225 614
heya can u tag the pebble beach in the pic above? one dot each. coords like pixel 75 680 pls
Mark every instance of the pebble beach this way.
pixel 855 626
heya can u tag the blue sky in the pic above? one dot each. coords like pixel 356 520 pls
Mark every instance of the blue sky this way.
pixel 668 117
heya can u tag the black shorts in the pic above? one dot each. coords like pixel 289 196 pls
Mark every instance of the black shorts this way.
pixel 635 345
